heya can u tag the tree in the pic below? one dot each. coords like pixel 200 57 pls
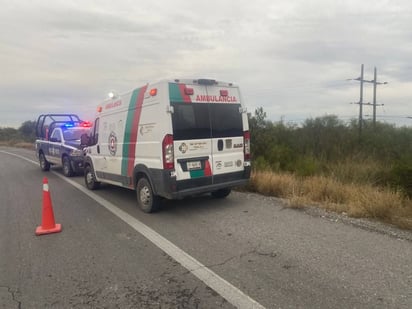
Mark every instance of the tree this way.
pixel 28 130
pixel 260 117
pixel 7 134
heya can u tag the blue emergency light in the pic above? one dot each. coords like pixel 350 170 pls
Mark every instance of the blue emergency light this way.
pixel 68 125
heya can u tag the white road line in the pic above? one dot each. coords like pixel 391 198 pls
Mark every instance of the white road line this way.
pixel 18 156
pixel 232 294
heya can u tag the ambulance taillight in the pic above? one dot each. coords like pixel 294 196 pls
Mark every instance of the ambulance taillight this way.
pixel 246 143
pixel 168 152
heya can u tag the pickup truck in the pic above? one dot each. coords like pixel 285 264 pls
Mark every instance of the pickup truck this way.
pixel 60 139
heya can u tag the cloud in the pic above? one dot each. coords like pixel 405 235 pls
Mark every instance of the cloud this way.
pixel 292 58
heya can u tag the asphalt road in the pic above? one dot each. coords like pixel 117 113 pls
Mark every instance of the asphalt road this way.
pixel 249 247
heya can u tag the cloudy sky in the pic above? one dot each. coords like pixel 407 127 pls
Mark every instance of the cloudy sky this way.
pixel 291 57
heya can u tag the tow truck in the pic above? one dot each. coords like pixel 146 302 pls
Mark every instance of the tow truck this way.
pixel 60 140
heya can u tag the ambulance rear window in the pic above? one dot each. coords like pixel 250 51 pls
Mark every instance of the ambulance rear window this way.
pixel 202 120
pixel 226 120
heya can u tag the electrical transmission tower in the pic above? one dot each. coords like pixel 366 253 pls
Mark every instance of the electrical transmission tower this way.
pixel 361 103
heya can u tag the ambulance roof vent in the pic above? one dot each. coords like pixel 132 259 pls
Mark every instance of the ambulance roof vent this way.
pixel 206 82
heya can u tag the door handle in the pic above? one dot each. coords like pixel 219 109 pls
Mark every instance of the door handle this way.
pixel 220 145
pixel 98 148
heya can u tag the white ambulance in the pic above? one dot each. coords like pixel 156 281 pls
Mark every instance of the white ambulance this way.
pixel 171 139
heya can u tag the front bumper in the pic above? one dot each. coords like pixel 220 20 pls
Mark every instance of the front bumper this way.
pixel 77 163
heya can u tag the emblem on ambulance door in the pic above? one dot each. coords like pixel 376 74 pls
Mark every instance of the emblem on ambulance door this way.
pixel 112 143
pixel 183 148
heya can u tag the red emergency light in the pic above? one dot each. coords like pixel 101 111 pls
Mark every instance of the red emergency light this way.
pixel 189 91
pixel 224 93
pixel 153 92
pixel 86 124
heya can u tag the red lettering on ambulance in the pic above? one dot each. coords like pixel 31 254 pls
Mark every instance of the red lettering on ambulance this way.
pixel 215 99
pixel 113 104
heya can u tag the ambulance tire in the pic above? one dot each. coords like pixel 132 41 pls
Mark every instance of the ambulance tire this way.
pixel 221 193
pixel 67 167
pixel 90 179
pixel 44 164
pixel 146 199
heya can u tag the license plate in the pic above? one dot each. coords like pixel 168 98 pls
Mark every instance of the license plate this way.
pixel 194 165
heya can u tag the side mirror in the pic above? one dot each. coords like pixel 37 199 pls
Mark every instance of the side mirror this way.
pixel 85 140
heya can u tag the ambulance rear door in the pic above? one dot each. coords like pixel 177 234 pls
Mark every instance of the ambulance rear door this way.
pixel 227 133
pixel 207 132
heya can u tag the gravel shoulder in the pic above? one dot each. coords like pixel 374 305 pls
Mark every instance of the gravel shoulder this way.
pixel 362 223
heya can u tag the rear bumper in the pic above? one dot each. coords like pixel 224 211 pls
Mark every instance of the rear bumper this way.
pixel 208 188
pixel 165 185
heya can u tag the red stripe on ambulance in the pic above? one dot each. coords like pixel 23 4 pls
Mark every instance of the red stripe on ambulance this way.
pixel 134 129
pixel 186 98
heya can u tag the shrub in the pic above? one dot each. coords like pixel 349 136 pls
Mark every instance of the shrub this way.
pixel 401 176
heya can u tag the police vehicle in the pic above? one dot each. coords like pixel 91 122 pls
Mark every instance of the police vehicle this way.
pixel 59 142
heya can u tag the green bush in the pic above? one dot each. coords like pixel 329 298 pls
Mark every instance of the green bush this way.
pixel 260 164
pixel 328 146
pixel 401 176
pixel 306 166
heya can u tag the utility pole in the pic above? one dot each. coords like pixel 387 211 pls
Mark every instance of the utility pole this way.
pixel 360 100
pixel 374 97
pixel 375 83
pixel 361 103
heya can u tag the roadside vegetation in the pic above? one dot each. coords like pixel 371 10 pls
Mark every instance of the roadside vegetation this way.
pixel 324 162
pixel 327 163
pixel 23 137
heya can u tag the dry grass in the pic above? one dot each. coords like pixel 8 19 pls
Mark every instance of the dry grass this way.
pixel 357 200
pixel 357 170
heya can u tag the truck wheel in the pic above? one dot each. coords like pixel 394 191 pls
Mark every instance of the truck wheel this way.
pixel 222 193
pixel 90 179
pixel 146 200
pixel 67 167
pixel 44 164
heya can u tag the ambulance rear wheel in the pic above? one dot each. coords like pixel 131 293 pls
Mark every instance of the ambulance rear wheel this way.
pixel 44 164
pixel 67 167
pixel 90 178
pixel 222 193
pixel 146 200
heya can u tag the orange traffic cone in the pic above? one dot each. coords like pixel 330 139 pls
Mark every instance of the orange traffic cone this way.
pixel 47 224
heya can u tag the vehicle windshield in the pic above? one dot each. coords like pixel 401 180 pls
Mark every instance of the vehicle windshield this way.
pixel 202 120
pixel 74 134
